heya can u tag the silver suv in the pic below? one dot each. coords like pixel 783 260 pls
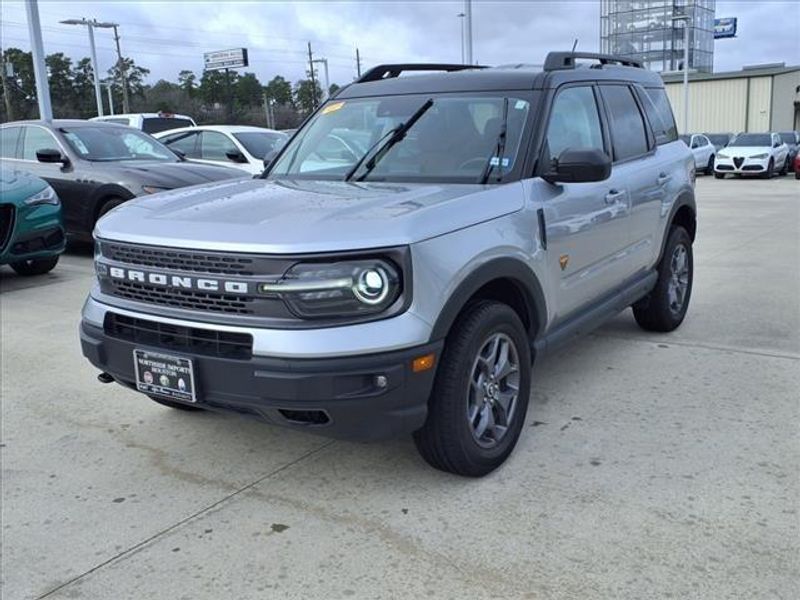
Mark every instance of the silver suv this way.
pixel 403 260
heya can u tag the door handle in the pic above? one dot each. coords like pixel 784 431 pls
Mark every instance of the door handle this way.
pixel 614 195
pixel 663 178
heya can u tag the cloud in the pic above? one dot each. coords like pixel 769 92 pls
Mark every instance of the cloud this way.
pixel 167 37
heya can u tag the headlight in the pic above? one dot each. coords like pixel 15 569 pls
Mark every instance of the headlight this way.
pixel 153 189
pixel 46 196
pixel 340 289
pixel 760 156
pixel 722 155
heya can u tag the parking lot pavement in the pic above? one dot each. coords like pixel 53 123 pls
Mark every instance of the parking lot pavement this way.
pixel 650 466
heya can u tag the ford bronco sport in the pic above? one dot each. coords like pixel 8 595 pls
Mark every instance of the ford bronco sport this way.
pixel 405 257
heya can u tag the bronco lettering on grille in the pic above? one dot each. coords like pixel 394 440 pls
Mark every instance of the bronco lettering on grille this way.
pixel 178 281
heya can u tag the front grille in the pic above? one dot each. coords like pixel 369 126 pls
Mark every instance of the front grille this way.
pixel 752 168
pixel 6 224
pixel 738 161
pixel 218 263
pixel 180 298
pixel 191 340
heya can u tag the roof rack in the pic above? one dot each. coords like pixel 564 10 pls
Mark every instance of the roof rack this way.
pixel 557 61
pixel 390 71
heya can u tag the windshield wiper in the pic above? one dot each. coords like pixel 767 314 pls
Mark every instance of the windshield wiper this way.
pixel 397 135
pixel 500 148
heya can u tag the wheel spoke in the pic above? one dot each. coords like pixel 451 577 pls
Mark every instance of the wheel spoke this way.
pixel 504 366
pixel 483 423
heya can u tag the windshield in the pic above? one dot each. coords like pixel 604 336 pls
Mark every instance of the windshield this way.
pixel 752 139
pixel 116 143
pixel 261 143
pixel 452 141
pixel 719 139
pixel 788 137
pixel 685 139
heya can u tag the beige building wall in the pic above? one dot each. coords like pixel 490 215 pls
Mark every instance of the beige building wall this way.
pixel 785 114
pixel 760 107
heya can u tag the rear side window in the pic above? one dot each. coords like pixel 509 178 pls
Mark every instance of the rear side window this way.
pixel 185 142
pixel 156 124
pixel 36 138
pixel 8 141
pixel 574 122
pixel 659 113
pixel 628 134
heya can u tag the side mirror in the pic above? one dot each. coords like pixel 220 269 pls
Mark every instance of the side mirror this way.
pixel 236 156
pixel 51 155
pixel 579 165
pixel 269 157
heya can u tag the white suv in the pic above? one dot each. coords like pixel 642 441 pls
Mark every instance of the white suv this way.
pixel 753 154
pixel 149 122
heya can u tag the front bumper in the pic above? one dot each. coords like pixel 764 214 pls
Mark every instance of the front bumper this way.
pixel 339 397
pixel 741 165
pixel 35 232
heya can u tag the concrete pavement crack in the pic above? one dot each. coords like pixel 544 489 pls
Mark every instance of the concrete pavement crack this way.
pixel 186 520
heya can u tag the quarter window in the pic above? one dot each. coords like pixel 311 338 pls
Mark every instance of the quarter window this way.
pixel 36 138
pixel 574 122
pixel 628 134
pixel 662 121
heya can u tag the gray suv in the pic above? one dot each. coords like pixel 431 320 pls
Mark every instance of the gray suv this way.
pixel 407 255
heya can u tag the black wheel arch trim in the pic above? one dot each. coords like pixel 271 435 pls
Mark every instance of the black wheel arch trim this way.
pixel 685 199
pixel 508 269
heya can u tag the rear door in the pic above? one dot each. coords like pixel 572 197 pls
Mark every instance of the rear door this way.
pixel 586 223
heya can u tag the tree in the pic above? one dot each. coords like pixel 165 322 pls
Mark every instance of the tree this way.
pixel 83 88
pixel 60 76
pixel 188 82
pixel 333 89
pixel 214 88
pixel 21 85
pixel 249 91
pixel 134 76
pixel 307 97
pixel 279 90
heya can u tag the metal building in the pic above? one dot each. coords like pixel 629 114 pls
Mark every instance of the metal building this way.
pixel 758 98
pixel 644 30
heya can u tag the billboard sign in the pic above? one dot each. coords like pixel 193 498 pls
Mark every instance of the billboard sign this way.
pixel 225 59
pixel 724 28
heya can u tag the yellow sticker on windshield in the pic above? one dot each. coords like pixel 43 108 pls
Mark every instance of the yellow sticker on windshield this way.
pixel 332 107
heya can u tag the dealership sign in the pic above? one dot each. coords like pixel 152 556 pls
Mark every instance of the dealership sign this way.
pixel 724 28
pixel 225 59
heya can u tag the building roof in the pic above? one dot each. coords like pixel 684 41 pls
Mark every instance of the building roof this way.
pixel 754 71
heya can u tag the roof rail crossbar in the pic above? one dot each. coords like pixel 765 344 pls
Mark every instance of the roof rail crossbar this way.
pixel 557 61
pixel 390 71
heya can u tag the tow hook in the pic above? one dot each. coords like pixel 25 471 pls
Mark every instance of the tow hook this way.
pixel 105 378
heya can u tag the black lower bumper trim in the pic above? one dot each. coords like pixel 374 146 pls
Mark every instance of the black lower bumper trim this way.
pixel 366 397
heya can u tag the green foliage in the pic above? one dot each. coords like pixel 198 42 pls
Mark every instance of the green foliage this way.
pixel 306 97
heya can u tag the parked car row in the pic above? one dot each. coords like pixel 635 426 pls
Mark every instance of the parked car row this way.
pixel 745 154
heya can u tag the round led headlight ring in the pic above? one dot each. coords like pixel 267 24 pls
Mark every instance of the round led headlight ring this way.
pixel 371 286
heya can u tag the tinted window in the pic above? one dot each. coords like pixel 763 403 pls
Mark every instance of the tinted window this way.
pixel 719 139
pixel 36 138
pixel 214 145
pixel 8 141
pixel 667 120
pixel 628 134
pixel 788 137
pixel 156 124
pixel 185 142
pixel 752 139
pixel 259 144
pixel 120 121
pixel 574 122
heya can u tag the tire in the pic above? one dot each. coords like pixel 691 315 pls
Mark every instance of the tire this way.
pixel 175 405
pixel 665 307
pixel 797 174
pixel 463 434
pixel 770 170
pixel 719 175
pixel 108 206
pixel 785 168
pixel 710 165
pixel 35 266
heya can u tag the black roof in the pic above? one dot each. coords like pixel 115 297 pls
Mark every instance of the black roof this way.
pixel 461 78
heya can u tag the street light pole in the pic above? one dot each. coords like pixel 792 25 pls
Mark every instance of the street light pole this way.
pixel 39 69
pixel 461 16
pixel 126 107
pixel 468 28
pixel 686 20
pixel 327 91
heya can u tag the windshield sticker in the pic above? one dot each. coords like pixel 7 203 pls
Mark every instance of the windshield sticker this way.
pixel 76 142
pixel 332 107
pixel 520 105
pixel 495 161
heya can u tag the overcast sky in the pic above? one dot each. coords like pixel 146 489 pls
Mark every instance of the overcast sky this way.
pixel 166 37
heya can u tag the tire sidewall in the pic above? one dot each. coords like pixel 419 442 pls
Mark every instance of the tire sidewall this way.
pixel 677 236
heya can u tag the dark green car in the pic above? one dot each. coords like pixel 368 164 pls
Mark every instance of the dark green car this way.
pixel 31 231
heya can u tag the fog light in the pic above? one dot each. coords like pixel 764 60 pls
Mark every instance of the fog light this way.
pixel 381 381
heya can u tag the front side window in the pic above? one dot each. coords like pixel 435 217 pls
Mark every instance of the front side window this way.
pixel 36 138
pixel 8 141
pixel 184 142
pixel 454 139
pixel 108 144
pixel 574 122
pixel 215 145
pixel 789 137
pixel 628 134
pixel 259 143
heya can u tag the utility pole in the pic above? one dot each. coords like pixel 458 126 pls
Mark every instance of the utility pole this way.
pixel 110 98
pixel 468 28
pixel 39 69
pixel 461 16
pixel 6 91
pixel 90 25
pixel 313 79
pixel 126 107
pixel 358 64
pixel 327 91
pixel 228 92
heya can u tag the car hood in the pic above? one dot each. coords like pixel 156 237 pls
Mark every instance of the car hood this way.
pixel 286 217
pixel 746 151
pixel 16 185
pixel 168 175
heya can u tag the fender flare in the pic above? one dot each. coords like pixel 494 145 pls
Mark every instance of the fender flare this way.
pixel 509 269
pixel 685 199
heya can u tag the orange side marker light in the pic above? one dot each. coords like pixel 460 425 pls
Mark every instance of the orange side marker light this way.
pixel 423 363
